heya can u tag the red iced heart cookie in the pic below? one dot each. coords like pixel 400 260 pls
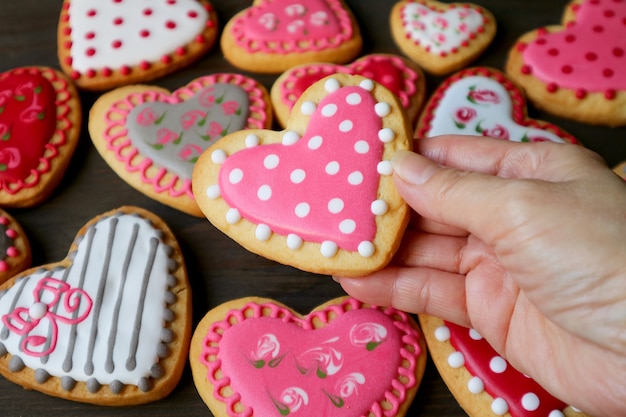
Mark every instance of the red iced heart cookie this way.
pixel 110 324
pixel 400 75
pixel 481 380
pixel 257 357
pixel 272 36
pixel 483 101
pixel 40 118
pixel 111 43
pixel 576 70
pixel 152 138
pixel 15 254
pixel 441 37
pixel 318 195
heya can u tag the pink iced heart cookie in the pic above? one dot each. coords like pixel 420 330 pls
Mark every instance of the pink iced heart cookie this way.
pixel 110 324
pixel 318 195
pixel 399 75
pixel 152 138
pixel 272 36
pixel 111 43
pixel 441 37
pixel 576 70
pixel 254 356
pixel 484 102
pixel 482 381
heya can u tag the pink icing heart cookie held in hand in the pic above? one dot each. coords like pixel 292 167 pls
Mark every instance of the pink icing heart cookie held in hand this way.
pixel 483 101
pixel 152 138
pixel 400 75
pixel 318 195
pixel 576 70
pixel 257 357
pixel 272 36
pixel 109 43
pixel 441 37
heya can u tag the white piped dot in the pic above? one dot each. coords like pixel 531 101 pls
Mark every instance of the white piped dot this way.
pixel 366 249
pixel 442 333
pixel 386 135
pixel 329 110
pixel 38 310
pixel 476 385
pixel 290 137
pixel 218 156
pixel 353 99
pixel 315 142
pixel 331 85
pixel 264 192
pixel 328 249
pixel 556 413
pixel 335 205
pixel 346 126
pixel 379 207
pixel 297 176
pixel 235 176
pixel 213 192
pixel 473 333
pixel 367 85
pixel 347 226
pixel 456 360
pixel 499 406
pixel 308 108
pixel 382 109
pixel 530 401
pixel 355 178
pixel 271 161
pixel 302 210
pixel 251 141
pixel 294 242
pixel 233 216
pixel 263 232
pixel 361 147
pixel 384 168
pixel 497 364
pixel 332 168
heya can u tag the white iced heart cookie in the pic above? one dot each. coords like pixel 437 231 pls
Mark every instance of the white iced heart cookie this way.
pixel 110 324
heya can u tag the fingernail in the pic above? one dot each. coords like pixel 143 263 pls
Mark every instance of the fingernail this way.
pixel 412 168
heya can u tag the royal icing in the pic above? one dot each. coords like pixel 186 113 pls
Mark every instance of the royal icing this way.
pixel 316 365
pixel 442 32
pixel 282 26
pixel 483 103
pixel 8 235
pixel 586 56
pixel 512 391
pixel 34 110
pixel 171 131
pixel 113 34
pixel 279 187
pixel 103 319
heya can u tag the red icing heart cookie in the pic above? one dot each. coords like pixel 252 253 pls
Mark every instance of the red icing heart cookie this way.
pixel 40 117
pixel 257 357
pixel 484 102
pixel 272 36
pixel 400 75
pixel 441 37
pixel 576 70
pixel 319 195
pixel 481 380
pixel 15 254
pixel 110 324
pixel 111 43
pixel 152 138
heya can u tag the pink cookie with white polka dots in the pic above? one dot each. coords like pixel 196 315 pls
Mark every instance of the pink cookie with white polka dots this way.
pixel 110 43
pixel 15 253
pixel 483 382
pixel 576 70
pixel 318 195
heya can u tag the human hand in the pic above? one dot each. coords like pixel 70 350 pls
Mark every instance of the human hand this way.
pixel 524 243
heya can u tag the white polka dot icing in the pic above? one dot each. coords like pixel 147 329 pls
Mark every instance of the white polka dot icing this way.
pixel 313 186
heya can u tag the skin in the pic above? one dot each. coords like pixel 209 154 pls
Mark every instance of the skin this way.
pixel 524 243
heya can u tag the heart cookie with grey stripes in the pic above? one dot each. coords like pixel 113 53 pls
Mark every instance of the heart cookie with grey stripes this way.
pixel 109 324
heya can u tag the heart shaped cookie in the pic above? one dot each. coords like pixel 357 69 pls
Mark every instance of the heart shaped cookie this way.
pixel 254 356
pixel 399 75
pixel 484 102
pixel 441 37
pixel 576 70
pixel 111 43
pixel 482 381
pixel 40 118
pixel 319 195
pixel 272 36
pixel 152 138
pixel 110 324
pixel 15 254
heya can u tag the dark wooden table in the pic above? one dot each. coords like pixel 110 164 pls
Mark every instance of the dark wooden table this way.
pixel 219 269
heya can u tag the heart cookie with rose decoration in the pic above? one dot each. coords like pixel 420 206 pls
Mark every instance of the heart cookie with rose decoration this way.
pixel 255 356
pixel 441 37
pixel 272 36
pixel 110 324
pixel 107 44
pixel 318 195
pixel 152 137
pixel 575 70
pixel 483 101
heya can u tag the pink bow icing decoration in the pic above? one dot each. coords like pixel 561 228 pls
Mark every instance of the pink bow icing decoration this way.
pixel 48 296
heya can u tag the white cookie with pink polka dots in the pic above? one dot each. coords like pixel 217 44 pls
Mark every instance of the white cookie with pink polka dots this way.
pixel 108 43
pixel 319 195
